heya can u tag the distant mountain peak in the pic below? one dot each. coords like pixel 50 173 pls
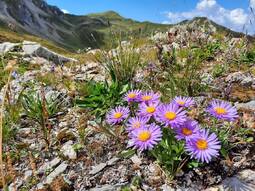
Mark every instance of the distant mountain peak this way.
pixel 107 14
pixel 205 23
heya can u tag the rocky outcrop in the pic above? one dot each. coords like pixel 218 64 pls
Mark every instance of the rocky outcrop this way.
pixel 248 106
pixel 245 79
pixel 90 71
pixel 33 49
pixel 7 46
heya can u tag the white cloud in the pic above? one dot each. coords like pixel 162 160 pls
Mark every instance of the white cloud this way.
pixel 206 4
pixel 252 4
pixel 236 19
pixel 65 11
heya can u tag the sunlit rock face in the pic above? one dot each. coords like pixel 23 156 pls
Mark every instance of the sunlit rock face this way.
pixel 38 18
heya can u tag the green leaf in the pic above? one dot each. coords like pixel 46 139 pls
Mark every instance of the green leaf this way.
pixel 224 152
pixel 249 139
pixel 124 89
pixel 78 147
pixel 193 164
pixel 127 153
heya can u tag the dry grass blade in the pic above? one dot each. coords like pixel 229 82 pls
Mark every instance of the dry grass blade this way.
pixel 11 170
pixel 9 68
pixel 32 163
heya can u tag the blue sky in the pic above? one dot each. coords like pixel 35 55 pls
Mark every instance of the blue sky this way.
pixel 231 13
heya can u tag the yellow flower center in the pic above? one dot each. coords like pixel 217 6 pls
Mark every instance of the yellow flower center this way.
pixel 137 125
pixel 131 95
pixel 144 136
pixel 186 131
pixel 202 144
pixel 220 110
pixel 170 115
pixel 150 109
pixel 146 98
pixel 181 102
pixel 118 115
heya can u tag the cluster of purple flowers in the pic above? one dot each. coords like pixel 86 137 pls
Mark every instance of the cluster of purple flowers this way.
pixel 151 115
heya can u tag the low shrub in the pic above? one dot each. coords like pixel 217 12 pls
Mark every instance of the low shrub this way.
pixel 218 70
pixel 121 63
pixel 99 96
pixel 41 108
pixel 175 78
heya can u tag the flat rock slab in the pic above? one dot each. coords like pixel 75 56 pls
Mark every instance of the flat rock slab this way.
pixel 49 165
pixel 112 161
pixel 7 46
pixel 35 49
pixel 97 169
pixel 106 187
pixel 249 105
pixel 243 181
pixel 69 151
pixel 59 170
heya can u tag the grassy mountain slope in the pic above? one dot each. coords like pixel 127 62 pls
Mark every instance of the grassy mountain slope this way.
pixel 119 23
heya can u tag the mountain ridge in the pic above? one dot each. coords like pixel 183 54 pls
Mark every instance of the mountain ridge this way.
pixel 74 32
pixel 70 31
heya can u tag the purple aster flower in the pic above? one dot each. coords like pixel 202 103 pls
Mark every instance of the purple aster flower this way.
pixel 189 130
pixel 204 146
pixel 184 101
pixel 117 115
pixel 222 110
pixel 149 96
pixel 136 122
pixel 145 138
pixel 151 66
pixel 171 114
pixel 15 74
pixel 53 68
pixel 132 96
pixel 148 110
